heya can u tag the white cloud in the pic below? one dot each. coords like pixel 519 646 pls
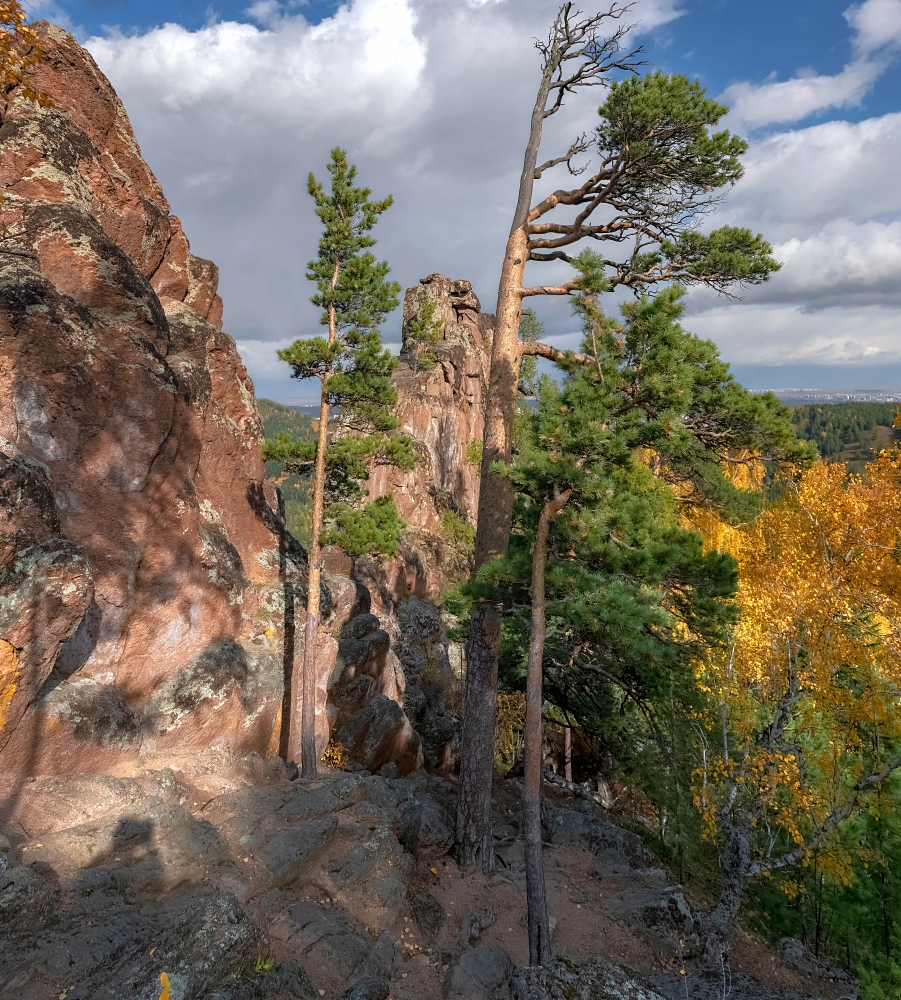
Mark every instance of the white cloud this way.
pixel 782 335
pixel 876 27
pixel 753 105
pixel 876 24
pixel 432 97
pixel 828 198
pixel 796 182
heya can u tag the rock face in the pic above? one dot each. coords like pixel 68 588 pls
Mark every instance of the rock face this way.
pixel 441 406
pixel 143 571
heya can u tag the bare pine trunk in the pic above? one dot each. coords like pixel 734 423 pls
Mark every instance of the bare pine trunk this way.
pixel 568 754
pixel 536 891
pixel 495 512
pixel 473 832
pixel 496 495
pixel 308 754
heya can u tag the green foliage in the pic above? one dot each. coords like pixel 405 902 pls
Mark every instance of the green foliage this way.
pixel 348 278
pixel 637 434
pixel 672 164
pixel 355 296
pixel 531 329
pixel 473 454
pixel 280 419
pixel 732 255
pixel 850 432
pixel 294 486
pixel 372 530
pixel 850 916
pixel 425 330
pixel 348 460
pixel 458 530
pixel 664 123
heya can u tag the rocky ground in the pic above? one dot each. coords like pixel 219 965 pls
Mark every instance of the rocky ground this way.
pixel 239 883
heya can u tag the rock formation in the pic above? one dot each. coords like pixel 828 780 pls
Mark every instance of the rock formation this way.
pixel 145 577
pixel 440 406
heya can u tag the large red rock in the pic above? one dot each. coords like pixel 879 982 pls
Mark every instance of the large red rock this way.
pixel 143 571
pixel 440 404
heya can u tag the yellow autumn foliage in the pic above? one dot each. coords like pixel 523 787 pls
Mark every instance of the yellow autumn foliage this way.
pixel 818 637
pixel 20 50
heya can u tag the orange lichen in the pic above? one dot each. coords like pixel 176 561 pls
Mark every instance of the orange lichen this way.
pixel 9 676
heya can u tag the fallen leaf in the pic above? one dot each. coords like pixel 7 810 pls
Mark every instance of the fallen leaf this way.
pixel 153 949
pixel 164 981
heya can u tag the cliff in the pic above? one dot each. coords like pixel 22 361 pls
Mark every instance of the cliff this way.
pixel 145 576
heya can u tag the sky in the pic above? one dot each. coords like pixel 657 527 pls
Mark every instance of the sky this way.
pixel 233 104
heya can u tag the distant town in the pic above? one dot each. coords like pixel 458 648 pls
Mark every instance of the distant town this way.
pixel 805 397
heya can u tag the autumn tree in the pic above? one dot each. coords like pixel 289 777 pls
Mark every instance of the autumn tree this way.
pixel 804 728
pixel 603 467
pixel 642 184
pixel 20 51
pixel 354 371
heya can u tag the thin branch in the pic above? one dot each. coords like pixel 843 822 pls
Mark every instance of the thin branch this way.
pixel 581 145
pixel 532 348
pixel 837 815
pixel 567 289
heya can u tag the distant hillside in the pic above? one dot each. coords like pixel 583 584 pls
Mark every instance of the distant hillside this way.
pixel 848 432
pixel 278 419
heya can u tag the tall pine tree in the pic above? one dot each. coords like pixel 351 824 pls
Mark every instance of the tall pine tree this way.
pixel 355 295
pixel 640 426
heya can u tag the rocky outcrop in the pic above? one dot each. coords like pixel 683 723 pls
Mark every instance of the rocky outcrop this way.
pixel 441 388
pixel 145 578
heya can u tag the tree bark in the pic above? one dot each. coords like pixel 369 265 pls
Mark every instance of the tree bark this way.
pixel 568 753
pixel 284 736
pixel 719 925
pixel 308 754
pixel 536 890
pixel 473 831
pixel 495 515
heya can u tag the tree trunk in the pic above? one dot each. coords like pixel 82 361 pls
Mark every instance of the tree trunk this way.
pixel 568 753
pixel 495 493
pixel 308 754
pixel 719 925
pixel 473 832
pixel 284 736
pixel 495 512
pixel 536 890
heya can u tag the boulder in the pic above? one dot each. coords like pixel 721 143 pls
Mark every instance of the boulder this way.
pixel 596 980
pixel 370 988
pixel 441 405
pixel 329 946
pixel 291 853
pixel 480 972
pixel 428 915
pixel 372 878
pixel 380 733
pixel 139 568
pixel 615 849
pixel 796 954
pixel 566 826
pixel 283 981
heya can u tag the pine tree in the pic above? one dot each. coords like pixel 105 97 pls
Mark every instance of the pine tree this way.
pixel 355 295
pixel 639 185
pixel 603 467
